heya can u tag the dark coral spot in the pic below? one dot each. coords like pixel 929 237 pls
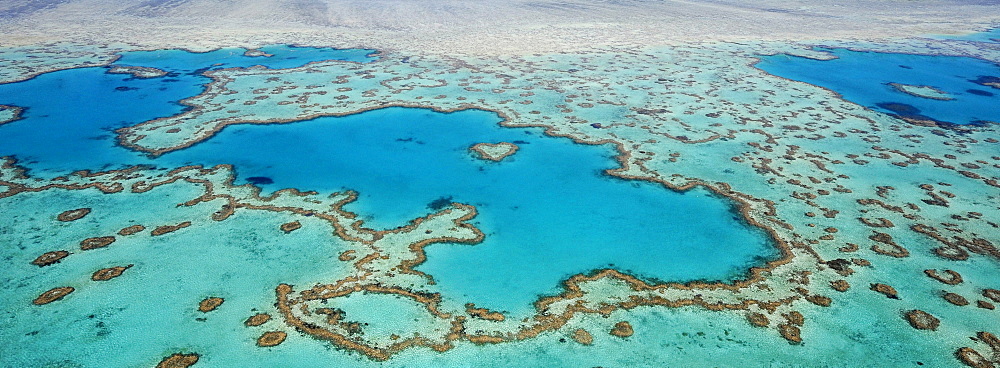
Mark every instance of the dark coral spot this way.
pixel 980 92
pixel 260 180
pixel 987 80
pixel 439 203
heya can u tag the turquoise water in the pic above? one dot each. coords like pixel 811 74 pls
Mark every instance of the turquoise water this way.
pixel 863 77
pixel 549 212
pixel 992 36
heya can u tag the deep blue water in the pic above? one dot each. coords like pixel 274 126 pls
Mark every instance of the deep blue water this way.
pixel 549 211
pixel 863 77
pixel 77 110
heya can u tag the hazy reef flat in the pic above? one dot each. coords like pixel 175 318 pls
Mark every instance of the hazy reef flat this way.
pixel 882 223
pixel 476 27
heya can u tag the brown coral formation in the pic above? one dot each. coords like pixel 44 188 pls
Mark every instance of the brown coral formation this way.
pixel 73 215
pixel 582 336
pixel 790 332
pixel 885 240
pixel 14 115
pixel 483 313
pixel 623 329
pixel 494 152
pixel 131 230
pixel 973 358
pixel 992 294
pixel 922 320
pixel 955 299
pixel 989 339
pixel 50 258
pixel 96 242
pixel 209 304
pixel 952 278
pixel 290 226
pixel 347 255
pixel 257 319
pixel 888 291
pixel 841 266
pixel 795 318
pixel 178 360
pixel 758 319
pixel 271 338
pixel 820 300
pixel 106 274
pixel 165 229
pixel 53 295
pixel 137 71
pixel 840 285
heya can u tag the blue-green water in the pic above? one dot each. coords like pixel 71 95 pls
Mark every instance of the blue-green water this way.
pixel 549 212
pixel 992 36
pixel 550 189
pixel 863 78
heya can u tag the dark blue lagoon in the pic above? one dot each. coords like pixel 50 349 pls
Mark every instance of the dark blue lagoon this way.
pixel 548 212
pixel 70 115
pixel 950 89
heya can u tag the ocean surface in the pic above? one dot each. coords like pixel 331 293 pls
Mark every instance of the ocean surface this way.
pixel 864 78
pixel 549 211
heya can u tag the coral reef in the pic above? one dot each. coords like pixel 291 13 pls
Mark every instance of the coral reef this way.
pixel 922 320
pixel 624 329
pixel 53 295
pixel 494 151
pixel 271 338
pixel 73 215
pixel 209 304
pixel 50 258
pixel 178 360
pixel 257 319
pixel 106 274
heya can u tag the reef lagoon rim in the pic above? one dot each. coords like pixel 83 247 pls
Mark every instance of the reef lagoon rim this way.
pixel 549 211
